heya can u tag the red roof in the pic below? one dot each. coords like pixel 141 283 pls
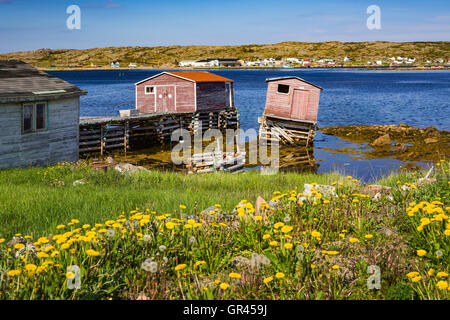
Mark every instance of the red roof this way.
pixel 199 76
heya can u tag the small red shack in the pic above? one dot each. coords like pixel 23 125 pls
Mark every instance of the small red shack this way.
pixel 292 98
pixel 184 91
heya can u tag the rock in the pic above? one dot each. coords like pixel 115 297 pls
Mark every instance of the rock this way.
pixel 209 209
pixel 373 190
pixel 431 140
pixel 401 148
pixel 259 210
pixel 384 140
pixel 389 232
pixel 425 181
pixel 79 182
pixel 109 160
pixel 128 167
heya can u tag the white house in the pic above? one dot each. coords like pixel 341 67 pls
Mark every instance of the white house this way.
pixel 39 118
pixel 293 60
pixel 186 63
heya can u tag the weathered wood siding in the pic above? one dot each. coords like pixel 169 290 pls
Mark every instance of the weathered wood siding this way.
pixel 283 105
pixel 185 94
pixel 58 143
pixel 214 95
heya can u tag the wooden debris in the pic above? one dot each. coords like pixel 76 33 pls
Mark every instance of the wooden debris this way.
pixel 286 131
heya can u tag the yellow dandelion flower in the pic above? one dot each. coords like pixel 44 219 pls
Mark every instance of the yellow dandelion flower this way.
pixel 235 275
pixel 224 286
pixel 286 229
pixel 279 275
pixel 268 279
pixel 180 267
pixel 421 253
pixel 442 285
pixel 92 253
pixel 13 273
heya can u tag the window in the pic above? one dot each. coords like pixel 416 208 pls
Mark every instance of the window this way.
pixel 28 118
pixel 40 116
pixel 283 88
pixel 149 90
pixel 34 117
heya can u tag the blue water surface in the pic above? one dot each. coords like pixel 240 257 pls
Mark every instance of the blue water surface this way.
pixel 349 97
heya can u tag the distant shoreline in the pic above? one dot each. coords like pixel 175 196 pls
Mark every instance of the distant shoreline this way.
pixel 363 68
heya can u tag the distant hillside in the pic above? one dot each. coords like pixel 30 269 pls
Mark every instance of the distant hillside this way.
pixel 360 52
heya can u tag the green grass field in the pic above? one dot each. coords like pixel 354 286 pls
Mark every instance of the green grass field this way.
pixel 34 200
pixel 129 238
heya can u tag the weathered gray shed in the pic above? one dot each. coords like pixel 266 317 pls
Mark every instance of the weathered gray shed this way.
pixel 39 117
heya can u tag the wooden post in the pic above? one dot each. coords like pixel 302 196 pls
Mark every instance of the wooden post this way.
pixel 102 142
pixel 126 134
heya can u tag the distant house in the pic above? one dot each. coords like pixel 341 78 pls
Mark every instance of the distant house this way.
pixel 186 63
pixel 212 63
pixel 184 91
pixel 347 59
pixel 228 62
pixel 293 60
pixel 39 117
pixel 252 63
pixel 206 63
pixel 115 64
pixel 132 65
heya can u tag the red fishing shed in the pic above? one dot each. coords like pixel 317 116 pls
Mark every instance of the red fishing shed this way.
pixel 292 98
pixel 184 91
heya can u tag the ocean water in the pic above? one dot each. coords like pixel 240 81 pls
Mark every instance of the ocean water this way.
pixel 349 97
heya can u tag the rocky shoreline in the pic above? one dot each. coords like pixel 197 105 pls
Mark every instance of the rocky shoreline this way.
pixel 402 142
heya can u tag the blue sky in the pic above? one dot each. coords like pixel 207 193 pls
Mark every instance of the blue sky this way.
pixel 34 24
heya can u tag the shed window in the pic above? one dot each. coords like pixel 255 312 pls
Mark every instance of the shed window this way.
pixel 34 117
pixel 283 88
pixel 149 90
pixel 40 116
pixel 28 118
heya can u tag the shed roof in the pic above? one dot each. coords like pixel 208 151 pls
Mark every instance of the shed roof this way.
pixel 293 77
pixel 21 82
pixel 196 76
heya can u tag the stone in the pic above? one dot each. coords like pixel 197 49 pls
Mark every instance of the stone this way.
pixel 431 140
pixel 401 148
pixel 128 167
pixel 373 190
pixel 79 182
pixel 109 160
pixel 384 140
